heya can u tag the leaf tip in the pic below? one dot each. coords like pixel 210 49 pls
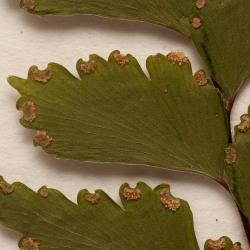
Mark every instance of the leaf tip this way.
pixel 16 82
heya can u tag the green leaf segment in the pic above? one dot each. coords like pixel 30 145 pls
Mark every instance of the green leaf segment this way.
pixel 115 114
pixel 219 29
pixel 150 219
pixel 170 13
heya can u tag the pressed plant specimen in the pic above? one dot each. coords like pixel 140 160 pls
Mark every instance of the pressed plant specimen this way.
pixel 113 113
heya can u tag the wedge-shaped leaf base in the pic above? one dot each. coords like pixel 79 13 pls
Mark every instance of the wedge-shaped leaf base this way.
pixel 151 219
pixel 116 114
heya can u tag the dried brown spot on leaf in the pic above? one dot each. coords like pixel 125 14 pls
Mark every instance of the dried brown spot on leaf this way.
pixel 7 188
pixel 44 192
pixel 93 198
pixel 168 200
pixel 88 67
pixel 217 244
pixel 29 111
pixel 132 193
pixel 28 4
pixel 196 22
pixel 42 76
pixel 245 124
pixel 201 4
pixel 42 139
pixel 177 58
pixel 231 155
pixel 121 59
pixel 201 78
pixel 29 244
pixel 236 246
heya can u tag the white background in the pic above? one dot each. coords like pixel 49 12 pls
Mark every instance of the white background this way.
pixel 26 40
